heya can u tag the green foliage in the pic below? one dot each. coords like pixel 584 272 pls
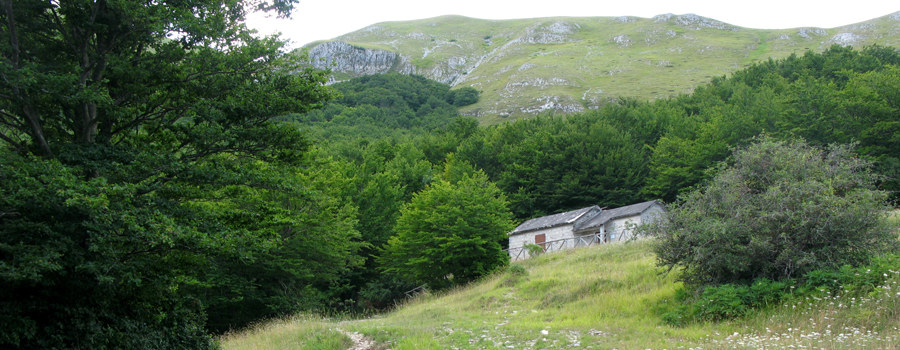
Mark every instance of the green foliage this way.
pixel 839 96
pixel 464 96
pixel 517 270
pixel 148 197
pixel 730 301
pixel 451 233
pixel 725 302
pixel 95 264
pixel 379 106
pixel 547 164
pixel 385 291
pixel 144 186
pixel 534 249
pixel 779 211
pixel 317 243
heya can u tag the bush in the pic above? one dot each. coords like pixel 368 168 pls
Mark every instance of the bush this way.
pixel 516 270
pixel 728 301
pixel 779 211
pixel 533 249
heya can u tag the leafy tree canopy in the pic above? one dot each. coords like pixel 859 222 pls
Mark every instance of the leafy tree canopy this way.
pixel 841 95
pixel 141 173
pixel 381 105
pixel 450 233
pixel 778 211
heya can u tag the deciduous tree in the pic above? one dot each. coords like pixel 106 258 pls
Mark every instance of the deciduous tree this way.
pixel 450 233
pixel 781 209
pixel 139 152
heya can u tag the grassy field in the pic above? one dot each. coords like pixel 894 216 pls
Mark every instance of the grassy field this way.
pixel 602 297
pixel 301 332
pixel 565 64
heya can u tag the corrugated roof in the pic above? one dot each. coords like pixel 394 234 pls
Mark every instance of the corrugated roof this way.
pixel 610 214
pixel 543 222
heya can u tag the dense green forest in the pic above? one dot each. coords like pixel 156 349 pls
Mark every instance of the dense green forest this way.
pixel 635 150
pixel 158 189
pixel 624 152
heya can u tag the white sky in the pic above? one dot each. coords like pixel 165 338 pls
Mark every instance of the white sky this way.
pixel 326 19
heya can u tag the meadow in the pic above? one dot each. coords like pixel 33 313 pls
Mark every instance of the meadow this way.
pixel 602 297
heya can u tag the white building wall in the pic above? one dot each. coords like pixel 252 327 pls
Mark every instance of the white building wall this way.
pixel 621 229
pixel 516 242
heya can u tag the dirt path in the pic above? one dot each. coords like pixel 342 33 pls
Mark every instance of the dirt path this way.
pixel 360 342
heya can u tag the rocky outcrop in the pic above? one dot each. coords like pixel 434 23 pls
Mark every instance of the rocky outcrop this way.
pixel 555 33
pixel 808 33
pixel 846 39
pixel 692 21
pixel 357 61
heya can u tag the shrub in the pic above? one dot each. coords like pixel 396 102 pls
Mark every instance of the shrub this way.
pixel 728 301
pixel 516 270
pixel 533 249
pixel 779 211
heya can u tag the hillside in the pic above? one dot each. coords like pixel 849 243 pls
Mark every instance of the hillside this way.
pixel 570 64
pixel 594 298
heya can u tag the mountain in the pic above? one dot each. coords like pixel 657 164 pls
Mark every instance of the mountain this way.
pixel 569 64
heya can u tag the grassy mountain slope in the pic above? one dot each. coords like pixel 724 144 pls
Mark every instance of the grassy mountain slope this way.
pixel 595 298
pixel 567 64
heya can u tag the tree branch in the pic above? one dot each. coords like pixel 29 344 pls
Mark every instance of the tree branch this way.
pixel 18 146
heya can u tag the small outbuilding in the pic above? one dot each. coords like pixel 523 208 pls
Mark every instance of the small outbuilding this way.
pixel 585 226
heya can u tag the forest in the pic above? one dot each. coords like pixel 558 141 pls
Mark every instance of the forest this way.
pixel 632 150
pixel 157 190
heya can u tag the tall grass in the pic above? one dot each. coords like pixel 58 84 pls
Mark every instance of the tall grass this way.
pixel 597 298
pixel 600 297
pixel 826 322
pixel 302 332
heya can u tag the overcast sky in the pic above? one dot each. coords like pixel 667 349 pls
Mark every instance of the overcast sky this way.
pixel 326 19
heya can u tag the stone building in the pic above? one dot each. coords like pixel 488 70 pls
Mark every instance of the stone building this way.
pixel 584 226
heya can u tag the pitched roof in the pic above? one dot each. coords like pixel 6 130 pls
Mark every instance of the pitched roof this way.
pixel 543 222
pixel 610 214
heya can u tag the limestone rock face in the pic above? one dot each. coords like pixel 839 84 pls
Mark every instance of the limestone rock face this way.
pixel 555 33
pixel 692 21
pixel 809 33
pixel 846 39
pixel 356 61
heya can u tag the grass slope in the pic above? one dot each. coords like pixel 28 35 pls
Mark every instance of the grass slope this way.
pixel 594 298
pixel 567 64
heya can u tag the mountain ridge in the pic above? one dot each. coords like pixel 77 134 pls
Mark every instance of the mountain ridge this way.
pixel 571 64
